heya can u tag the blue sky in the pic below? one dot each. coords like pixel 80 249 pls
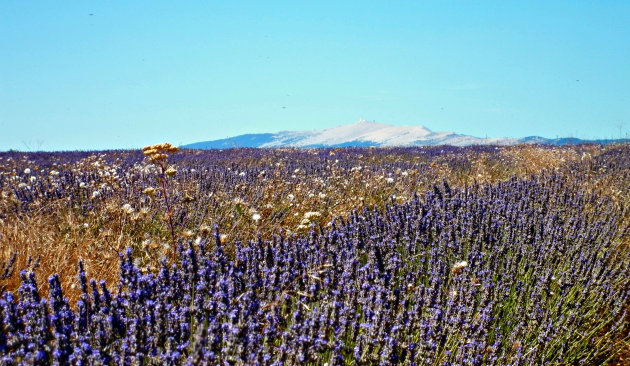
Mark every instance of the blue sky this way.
pixel 123 74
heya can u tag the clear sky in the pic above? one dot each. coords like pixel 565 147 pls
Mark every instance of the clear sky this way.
pixel 123 74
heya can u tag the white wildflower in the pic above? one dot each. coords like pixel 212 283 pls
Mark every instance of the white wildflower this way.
pixel 27 171
pixel 256 217
pixel 458 266
pixel 205 229
pixel 127 208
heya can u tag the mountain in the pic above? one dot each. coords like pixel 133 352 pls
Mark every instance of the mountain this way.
pixel 366 133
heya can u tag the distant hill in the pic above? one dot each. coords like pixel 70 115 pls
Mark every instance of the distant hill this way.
pixel 366 133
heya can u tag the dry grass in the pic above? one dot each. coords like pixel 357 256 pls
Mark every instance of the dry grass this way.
pixel 57 235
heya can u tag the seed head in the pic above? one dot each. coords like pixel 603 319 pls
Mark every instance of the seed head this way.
pixel 188 199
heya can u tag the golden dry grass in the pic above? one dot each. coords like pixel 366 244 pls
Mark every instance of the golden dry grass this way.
pixel 57 235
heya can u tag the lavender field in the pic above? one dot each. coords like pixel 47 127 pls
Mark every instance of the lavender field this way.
pixel 415 256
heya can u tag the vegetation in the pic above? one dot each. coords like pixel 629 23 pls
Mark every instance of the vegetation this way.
pixel 444 255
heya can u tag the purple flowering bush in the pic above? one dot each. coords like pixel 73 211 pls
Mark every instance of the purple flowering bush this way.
pixel 529 270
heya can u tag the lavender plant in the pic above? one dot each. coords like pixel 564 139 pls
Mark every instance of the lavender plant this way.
pixel 527 271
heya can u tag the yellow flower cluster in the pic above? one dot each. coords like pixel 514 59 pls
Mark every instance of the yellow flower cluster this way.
pixel 159 152
pixel 170 171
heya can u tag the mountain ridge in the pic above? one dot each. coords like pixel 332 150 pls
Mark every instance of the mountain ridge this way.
pixel 372 134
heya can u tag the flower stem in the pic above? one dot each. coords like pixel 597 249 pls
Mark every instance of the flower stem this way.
pixel 168 210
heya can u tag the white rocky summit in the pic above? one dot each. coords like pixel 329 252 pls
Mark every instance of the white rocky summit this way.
pixel 368 133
